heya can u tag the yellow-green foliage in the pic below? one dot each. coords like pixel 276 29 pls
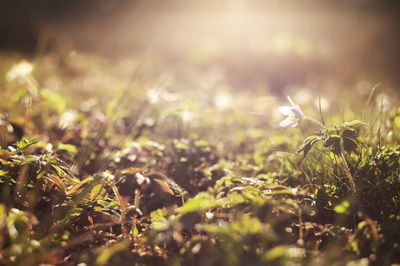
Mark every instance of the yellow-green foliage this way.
pixel 157 172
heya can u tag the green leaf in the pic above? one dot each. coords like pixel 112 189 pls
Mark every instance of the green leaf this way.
pixel 159 215
pixel 284 252
pixel 201 202
pixel 75 189
pixel 275 253
pixel 307 144
pixel 333 141
pixel 96 191
pixel 343 207
pixel 204 201
pixel 355 123
pixel 57 181
pixel 22 145
pixel 350 144
pixel 107 253
pixel 201 143
pixel 70 149
pixel 55 101
pixel 3 172
pixel 58 169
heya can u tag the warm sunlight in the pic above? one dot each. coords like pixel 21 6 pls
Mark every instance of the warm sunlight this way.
pixel 199 132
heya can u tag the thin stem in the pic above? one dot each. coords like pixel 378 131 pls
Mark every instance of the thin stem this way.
pixel 33 86
pixel 309 118
pixel 349 176
pixel 369 100
pixel 301 226
pixel 320 111
pixel 134 219
pixel 123 207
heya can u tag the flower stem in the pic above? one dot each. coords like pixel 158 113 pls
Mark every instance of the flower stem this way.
pixel 309 118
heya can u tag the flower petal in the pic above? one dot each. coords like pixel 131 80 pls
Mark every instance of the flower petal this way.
pixel 295 106
pixel 288 122
pixel 286 110
pixel 294 114
pixel 297 112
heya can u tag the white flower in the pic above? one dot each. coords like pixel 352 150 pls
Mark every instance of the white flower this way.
pixel 141 179
pixel 293 113
pixel 19 71
pixel 154 95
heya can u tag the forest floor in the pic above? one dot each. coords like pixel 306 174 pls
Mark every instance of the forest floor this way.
pixel 116 163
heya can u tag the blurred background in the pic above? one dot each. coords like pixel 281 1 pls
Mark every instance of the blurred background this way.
pixel 256 45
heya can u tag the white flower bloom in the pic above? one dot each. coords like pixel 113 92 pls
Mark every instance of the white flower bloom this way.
pixel 154 95
pixel 141 179
pixel 293 113
pixel 19 71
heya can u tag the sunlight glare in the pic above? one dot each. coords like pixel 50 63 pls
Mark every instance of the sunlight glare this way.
pixel 223 100
pixel 187 116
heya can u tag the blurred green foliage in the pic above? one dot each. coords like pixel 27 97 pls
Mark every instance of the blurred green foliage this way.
pixel 165 176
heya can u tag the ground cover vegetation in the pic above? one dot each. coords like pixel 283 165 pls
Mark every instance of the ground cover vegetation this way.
pixel 104 167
